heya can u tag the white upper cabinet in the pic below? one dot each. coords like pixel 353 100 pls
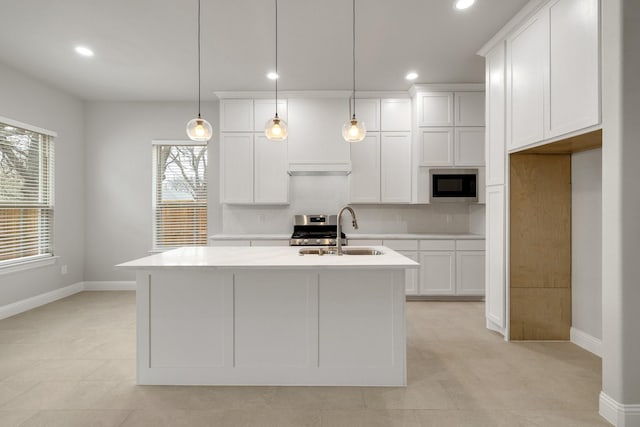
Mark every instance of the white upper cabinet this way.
pixel 368 111
pixel 495 100
pixel 236 167
pixel 271 180
pixel 469 146
pixel 435 109
pixel 264 109
pixel 395 115
pixel 236 115
pixel 395 172
pixel 526 75
pixel 553 80
pixel 469 109
pixel 436 146
pixel 315 131
pixel 364 180
pixel 574 66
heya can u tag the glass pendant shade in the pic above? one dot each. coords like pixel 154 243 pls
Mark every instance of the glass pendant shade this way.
pixel 276 129
pixel 354 130
pixel 199 129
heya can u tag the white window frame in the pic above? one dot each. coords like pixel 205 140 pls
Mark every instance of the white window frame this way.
pixel 154 196
pixel 25 263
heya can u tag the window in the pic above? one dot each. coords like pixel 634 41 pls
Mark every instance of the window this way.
pixel 180 194
pixel 26 193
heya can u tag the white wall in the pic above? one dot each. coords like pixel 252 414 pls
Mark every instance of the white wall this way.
pixel 118 178
pixel 30 101
pixel 326 195
pixel 586 242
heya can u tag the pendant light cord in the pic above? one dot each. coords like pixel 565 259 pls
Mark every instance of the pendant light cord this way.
pixel 277 75
pixel 353 46
pixel 199 59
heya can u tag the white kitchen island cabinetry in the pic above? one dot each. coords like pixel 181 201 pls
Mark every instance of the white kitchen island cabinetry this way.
pixel 268 316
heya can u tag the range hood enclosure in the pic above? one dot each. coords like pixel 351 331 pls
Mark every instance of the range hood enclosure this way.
pixel 315 144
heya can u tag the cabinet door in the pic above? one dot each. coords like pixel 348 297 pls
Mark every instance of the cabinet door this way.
pixel 436 146
pixel 469 109
pixel 435 109
pixel 236 115
pixel 469 146
pixel 395 167
pixel 437 272
pixel 495 286
pixel 527 63
pixel 395 115
pixel 364 180
pixel 470 273
pixel 264 109
pixel 574 66
pixel 495 132
pixel 411 275
pixel 236 167
pixel 271 180
pixel 368 111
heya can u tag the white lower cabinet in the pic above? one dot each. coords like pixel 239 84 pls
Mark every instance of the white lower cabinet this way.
pixel 470 272
pixel 437 273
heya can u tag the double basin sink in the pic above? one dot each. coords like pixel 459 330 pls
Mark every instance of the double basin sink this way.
pixel 332 250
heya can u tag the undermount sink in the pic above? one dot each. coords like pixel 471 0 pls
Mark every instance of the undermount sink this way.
pixel 332 250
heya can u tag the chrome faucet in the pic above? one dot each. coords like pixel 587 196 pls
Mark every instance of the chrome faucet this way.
pixel 354 221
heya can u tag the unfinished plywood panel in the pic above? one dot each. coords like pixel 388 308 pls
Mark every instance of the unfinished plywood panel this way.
pixel 540 248
pixel 540 313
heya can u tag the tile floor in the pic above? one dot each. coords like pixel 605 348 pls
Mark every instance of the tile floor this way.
pixel 71 363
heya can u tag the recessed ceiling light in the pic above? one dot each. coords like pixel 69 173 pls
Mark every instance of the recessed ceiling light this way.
pixel 9 128
pixel 464 4
pixel 411 76
pixel 84 51
pixel 272 76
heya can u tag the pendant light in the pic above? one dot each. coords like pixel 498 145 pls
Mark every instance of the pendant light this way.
pixel 199 129
pixel 276 129
pixel 354 130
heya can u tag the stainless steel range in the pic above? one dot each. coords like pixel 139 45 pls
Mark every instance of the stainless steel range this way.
pixel 315 230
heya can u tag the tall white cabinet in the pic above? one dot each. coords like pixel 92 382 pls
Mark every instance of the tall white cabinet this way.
pixel 542 85
pixel 253 169
pixel 381 164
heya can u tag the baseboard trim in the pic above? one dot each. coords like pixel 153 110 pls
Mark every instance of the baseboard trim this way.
pixel 109 286
pixel 586 341
pixel 618 414
pixel 39 300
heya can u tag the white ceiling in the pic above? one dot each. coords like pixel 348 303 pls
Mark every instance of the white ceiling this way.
pixel 146 49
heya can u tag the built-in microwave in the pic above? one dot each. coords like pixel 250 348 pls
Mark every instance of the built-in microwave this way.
pixel 454 185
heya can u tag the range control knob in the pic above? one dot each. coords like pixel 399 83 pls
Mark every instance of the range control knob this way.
pixel 305 241
pixel 318 240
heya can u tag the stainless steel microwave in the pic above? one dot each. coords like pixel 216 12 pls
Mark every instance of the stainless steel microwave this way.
pixel 454 185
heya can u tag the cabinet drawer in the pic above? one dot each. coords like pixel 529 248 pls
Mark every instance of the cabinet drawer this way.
pixel 437 245
pixel 401 245
pixel 470 245
pixel 274 242
pixel 229 243
pixel 364 242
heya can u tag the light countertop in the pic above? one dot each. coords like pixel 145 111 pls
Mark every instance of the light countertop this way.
pixel 378 236
pixel 285 257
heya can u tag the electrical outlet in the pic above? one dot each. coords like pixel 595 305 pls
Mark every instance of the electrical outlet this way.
pixel 63 269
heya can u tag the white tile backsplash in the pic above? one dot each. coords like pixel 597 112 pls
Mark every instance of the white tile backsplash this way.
pixel 327 194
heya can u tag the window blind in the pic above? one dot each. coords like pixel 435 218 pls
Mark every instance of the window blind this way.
pixel 26 194
pixel 180 195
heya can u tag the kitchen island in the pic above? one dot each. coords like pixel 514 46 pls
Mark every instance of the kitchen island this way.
pixel 269 316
